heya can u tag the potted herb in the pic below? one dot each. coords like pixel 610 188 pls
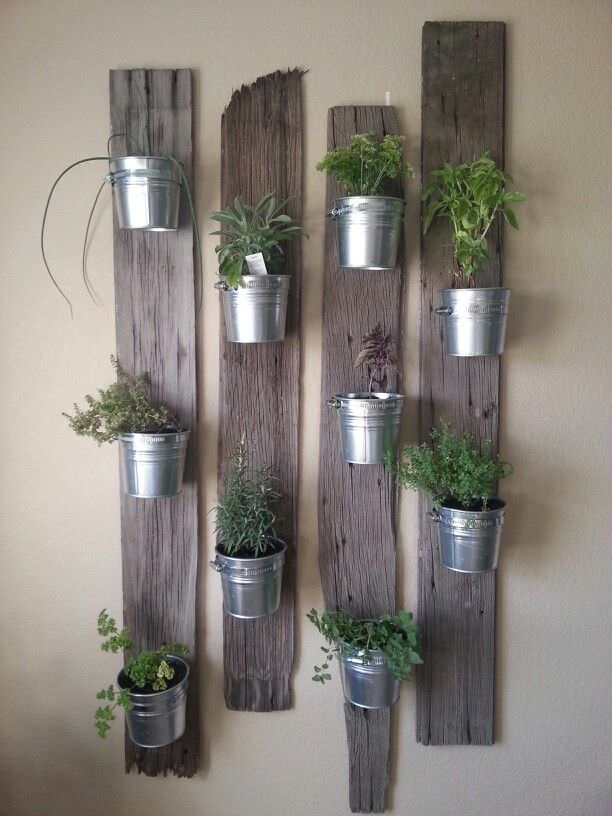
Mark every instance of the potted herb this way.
pixel 152 443
pixel 460 477
pixel 146 190
pixel 370 420
pixel 374 655
pixel 249 555
pixel 471 196
pixel 369 223
pixel 254 289
pixel 151 688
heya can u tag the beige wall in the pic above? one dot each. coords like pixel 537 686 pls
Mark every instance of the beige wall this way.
pixel 60 559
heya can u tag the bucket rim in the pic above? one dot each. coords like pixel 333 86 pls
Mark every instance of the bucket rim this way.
pixel 262 560
pixel 136 156
pixel 463 290
pixel 500 507
pixel 365 396
pixel 370 198
pixel 131 436
pixel 153 695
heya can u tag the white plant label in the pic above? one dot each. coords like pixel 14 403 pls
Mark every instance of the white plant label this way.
pixel 256 264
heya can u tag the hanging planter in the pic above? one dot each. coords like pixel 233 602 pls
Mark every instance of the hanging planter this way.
pixel 256 310
pixel 151 688
pixel 254 296
pixel 374 655
pixel 249 555
pixel 147 192
pixel 471 196
pixel 370 421
pixel 369 225
pixel 152 444
pixel 459 476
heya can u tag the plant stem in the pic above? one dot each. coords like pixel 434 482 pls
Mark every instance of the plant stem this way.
pixel 90 289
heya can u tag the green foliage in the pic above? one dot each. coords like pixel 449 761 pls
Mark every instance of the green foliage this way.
pixel 470 196
pixel 149 669
pixel 394 635
pixel 378 355
pixel 363 166
pixel 453 468
pixel 245 523
pixel 248 230
pixel 123 407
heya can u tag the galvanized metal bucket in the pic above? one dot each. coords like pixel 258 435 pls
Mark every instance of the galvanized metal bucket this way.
pixel 369 231
pixel 152 465
pixel 158 718
pixel 369 425
pixel 368 685
pixel 256 312
pixel 251 586
pixel 469 541
pixel 474 320
pixel 147 192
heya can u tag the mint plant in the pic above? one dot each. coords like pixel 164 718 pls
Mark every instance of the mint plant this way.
pixel 394 635
pixel 148 671
pixel 366 163
pixel 452 470
pixel 378 356
pixel 470 196
pixel 246 523
pixel 123 407
pixel 248 230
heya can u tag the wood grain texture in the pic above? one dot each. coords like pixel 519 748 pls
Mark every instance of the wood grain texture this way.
pixel 261 152
pixel 357 503
pixel 155 325
pixel 462 116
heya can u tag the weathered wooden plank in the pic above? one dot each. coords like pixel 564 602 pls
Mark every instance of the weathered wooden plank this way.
pixel 155 325
pixel 357 503
pixel 261 152
pixel 462 116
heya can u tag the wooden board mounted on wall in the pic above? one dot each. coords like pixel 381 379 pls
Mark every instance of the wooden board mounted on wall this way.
pixel 155 325
pixel 357 503
pixel 462 116
pixel 261 152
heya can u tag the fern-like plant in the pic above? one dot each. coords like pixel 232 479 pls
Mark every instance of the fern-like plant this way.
pixel 148 671
pixel 378 356
pixel 453 470
pixel 248 230
pixel 123 407
pixel 394 635
pixel 364 165
pixel 246 523
pixel 470 196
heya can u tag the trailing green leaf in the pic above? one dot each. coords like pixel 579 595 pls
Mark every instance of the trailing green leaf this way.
pixel 148 670
pixel 452 469
pixel 363 166
pixel 124 407
pixel 470 195
pixel 246 523
pixel 248 230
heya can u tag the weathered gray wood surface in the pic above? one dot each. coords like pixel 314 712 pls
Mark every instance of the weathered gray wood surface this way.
pixel 261 152
pixel 357 503
pixel 155 325
pixel 462 116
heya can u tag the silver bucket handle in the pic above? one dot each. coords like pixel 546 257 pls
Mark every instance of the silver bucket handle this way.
pixel 216 566
pixel 332 402
pixel 333 213
pixel 222 287
pixel 434 516
pixel 443 310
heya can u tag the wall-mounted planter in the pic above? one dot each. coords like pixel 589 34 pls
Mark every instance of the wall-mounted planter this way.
pixel 369 425
pixel 152 465
pixel 256 312
pixel 158 717
pixel 474 320
pixel 369 231
pixel 147 192
pixel 368 685
pixel 251 586
pixel 470 540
